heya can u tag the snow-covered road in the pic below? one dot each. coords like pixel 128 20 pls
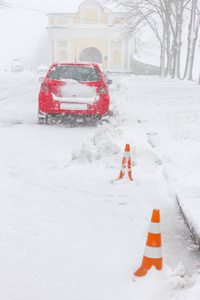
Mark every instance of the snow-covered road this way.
pixel 66 230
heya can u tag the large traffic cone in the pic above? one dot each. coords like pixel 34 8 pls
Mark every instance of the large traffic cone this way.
pixel 153 251
pixel 126 164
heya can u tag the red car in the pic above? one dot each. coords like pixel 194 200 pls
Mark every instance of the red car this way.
pixel 73 91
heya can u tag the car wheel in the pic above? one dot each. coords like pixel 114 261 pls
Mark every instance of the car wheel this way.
pixel 50 119
pixel 104 118
pixel 42 118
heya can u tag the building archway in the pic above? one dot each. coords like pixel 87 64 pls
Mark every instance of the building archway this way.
pixel 91 54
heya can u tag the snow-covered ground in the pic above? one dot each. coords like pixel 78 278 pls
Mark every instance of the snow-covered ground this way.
pixel 67 230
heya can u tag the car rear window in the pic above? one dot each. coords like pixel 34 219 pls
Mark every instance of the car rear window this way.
pixel 79 73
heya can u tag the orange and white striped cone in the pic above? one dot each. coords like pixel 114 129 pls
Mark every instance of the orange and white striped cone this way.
pixel 153 250
pixel 126 164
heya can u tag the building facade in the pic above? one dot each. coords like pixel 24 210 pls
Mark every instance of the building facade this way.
pixel 93 33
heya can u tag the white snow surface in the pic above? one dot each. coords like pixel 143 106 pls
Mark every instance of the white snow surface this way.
pixel 68 230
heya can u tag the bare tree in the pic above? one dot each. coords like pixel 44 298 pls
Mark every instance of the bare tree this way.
pixel 142 14
pixel 3 4
pixel 177 36
pixel 193 29
pixel 165 18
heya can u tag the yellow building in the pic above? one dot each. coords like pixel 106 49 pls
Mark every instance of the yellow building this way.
pixel 93 33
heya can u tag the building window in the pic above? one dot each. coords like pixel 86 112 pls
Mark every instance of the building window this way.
pixel 104 19
pixel 117 58
pixel 63 55
pixel 51 22
pixel 63 44
pixel 76 19
pixel 90 16
pixel 62 21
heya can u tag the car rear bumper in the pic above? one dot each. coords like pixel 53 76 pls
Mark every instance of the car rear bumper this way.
pixel 51 118
pixel 49 106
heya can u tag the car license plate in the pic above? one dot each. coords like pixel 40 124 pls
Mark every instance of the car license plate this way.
pixel 73 106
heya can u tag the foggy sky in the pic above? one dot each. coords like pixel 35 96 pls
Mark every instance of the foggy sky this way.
pixel 21 30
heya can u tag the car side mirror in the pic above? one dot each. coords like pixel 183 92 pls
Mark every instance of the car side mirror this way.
pixel 109 81
pixel 41 79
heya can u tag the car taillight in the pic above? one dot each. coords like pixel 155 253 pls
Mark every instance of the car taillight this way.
pixel 45 87
pixel 102 89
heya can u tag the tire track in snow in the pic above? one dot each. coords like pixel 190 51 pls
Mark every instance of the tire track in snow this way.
pixel 28 86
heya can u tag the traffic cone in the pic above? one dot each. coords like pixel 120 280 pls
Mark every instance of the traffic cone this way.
pixel 153 251
pixel 126 164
